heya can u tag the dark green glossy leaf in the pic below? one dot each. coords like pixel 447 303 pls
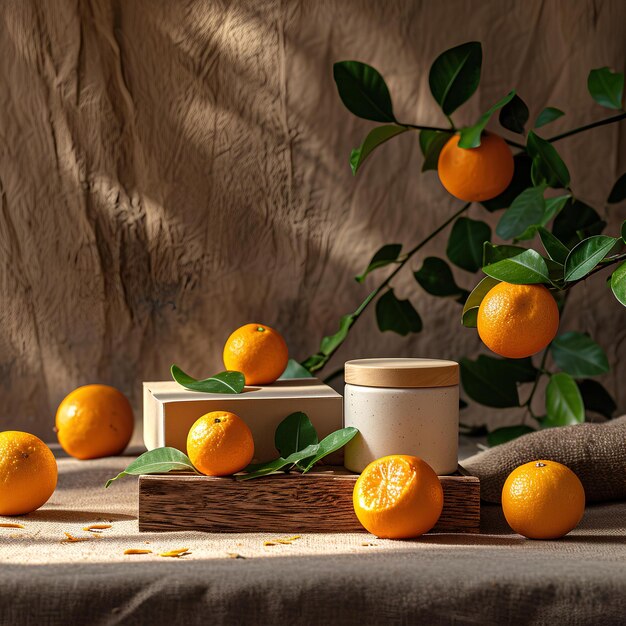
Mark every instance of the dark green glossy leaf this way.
pixel 435 277
pixel 564 404
pixel 470 136
pixel 271 467
pixel 596 398
pixel 579 355
pixel 396 315
pixel 514 115
pixel 295 370
pixel 547 166
pixel 465 244
pixel 330 444
pixel 454 76
pixel 431 143
pixel 375 138
pixel 618 193
pixel 507 433
pixel 549 114
pixel 606 87
pixel 618 283
pixel 555 249
pixel 493 382
pixel 158 461
pixel 363 91
pixel 553 206
pixel 470 309
pixel 575 222
pixel 294 433
pixel 526 268
pixel 387 255
pixel 492 254
pixel 521 180
pixel 224 382
pixel 526 210
pixel 586 255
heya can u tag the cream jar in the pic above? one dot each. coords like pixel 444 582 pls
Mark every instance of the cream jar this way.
pixel 402 406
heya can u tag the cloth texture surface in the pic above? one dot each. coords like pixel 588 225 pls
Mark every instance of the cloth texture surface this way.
pixel 171 170
pixel 496 577
pixel 596 453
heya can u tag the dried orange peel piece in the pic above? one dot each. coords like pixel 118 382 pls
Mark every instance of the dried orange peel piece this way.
pixel 287 541
pixel 136 551
pixel 96 527
pixel 176 553
pixel 3 525
pixel 71 539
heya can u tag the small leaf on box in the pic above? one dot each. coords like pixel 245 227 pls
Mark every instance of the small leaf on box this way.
pixel 294 433
pixel 224 382
pixel 295 370
pixel 330 444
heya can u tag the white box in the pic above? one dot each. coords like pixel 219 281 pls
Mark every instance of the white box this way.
pixel 170 410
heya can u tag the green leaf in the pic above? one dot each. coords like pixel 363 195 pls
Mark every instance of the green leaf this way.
pixel 363 91
pixel 470 310
pixel 618 283
pixel 549 114
pixel 623 231
pixel 158 461
pixel 527 209
pixel 295 370
pixel 556 250
pixel 526 268
pixel 521 180
pixel 386 255
pixel 492 253
pixel 596 398
pixel 618 193
pixel 330 444
pixel 224 382
pixel 435 277
pixel 547 164
pixel 564 404
pixel 606 87
pixel 330 343
pixel 493 382
pixel 271 467
pixel 375 138
pixel 294 433
pixel 553 206
pixel 586 255
pixel 470 136
pixel 454 76
pixel 431 144
pixel 507 433
pixel 397 315
pixel 579 355
pixel 575 222
pixel 465 244
pixel 514 115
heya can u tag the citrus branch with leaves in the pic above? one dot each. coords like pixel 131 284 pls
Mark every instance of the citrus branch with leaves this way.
pixel 538 207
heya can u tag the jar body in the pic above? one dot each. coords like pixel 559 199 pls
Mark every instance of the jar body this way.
pixel 421 422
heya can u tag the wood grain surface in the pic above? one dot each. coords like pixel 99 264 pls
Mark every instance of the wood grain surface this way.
pixel 320 501
pixel 170 170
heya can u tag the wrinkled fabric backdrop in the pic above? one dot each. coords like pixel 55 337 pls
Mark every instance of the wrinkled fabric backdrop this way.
pixel 171 170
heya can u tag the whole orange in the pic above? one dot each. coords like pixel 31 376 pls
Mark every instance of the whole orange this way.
pixel 28 473
pixel 543 500
pixel 219 444
pixel 94 421
pixel 397 497
pixel 476 174
pixel 517 321
pixel 258 352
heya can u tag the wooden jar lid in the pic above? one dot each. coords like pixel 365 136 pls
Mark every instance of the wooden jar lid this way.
pixel 402 373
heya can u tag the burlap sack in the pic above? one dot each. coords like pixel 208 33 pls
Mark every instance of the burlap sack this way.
pixel 595 452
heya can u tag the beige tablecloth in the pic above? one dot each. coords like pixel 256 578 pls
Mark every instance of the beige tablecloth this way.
pixel 496 577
